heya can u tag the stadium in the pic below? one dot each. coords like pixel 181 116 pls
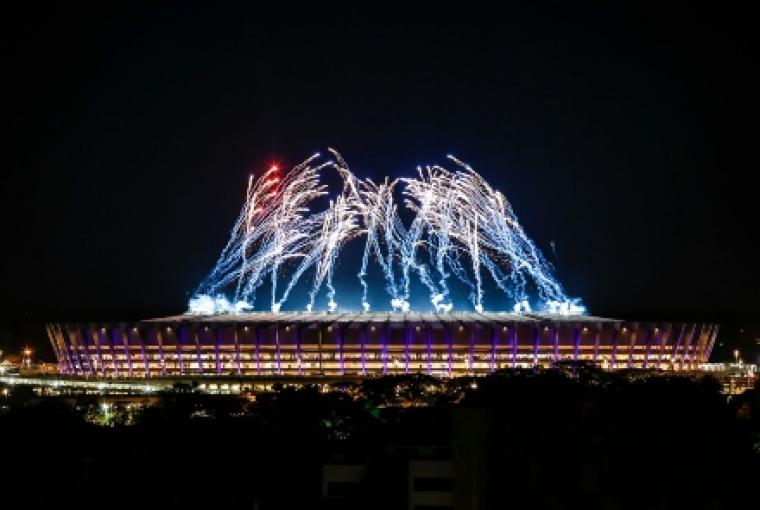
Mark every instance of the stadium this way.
pixel 464 235
pixel 355 345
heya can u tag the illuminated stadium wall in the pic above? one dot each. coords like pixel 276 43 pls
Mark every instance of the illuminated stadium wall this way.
pixel 305 344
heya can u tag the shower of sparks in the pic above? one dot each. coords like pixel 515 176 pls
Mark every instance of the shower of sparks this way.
pixel 462 228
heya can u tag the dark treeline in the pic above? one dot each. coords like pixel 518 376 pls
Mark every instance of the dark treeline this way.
pixel 561 438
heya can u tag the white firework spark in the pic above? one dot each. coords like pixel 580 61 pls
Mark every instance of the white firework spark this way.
pixel 461 225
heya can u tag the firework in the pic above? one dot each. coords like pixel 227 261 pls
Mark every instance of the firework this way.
pixel 462 227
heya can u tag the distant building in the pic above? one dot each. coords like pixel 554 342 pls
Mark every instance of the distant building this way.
pixel 10 364
pixel 37 369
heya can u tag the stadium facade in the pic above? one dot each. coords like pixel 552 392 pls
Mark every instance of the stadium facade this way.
pixel 359 344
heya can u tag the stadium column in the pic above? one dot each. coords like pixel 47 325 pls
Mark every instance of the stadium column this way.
pixel 341 366
pixel 598 340
pixel 112 348
pixel 160 338
pixel 555 335
pixel 695 347
pixel 471 355
pixel 125 343
pixel 673 344
pixel 99 335
pixel 450 346
pixel 702 353
pixel 677 346
pixel 94 333
pixel 649 339
pixel 704 332
pixel 407 341
pixel 198 355
pixel 87 354
pixel 75 341
pixel 278 364
pixel 494 342
pixel 364 334
pixel 579 333
pixel 660 347
pixel 692 345
pixel 257 335
pixel 178 342
pixel 319 348
pixel 299 340
pixel 70 350
pixel 686 345
pixel 54 343
pixel 217 342
pixel 513 331
pixel 536 343
pixel 65 364
pixel 237 349
pixel 632 344
pixel 59 345
pixel 65 348
pixel 705 355
pixel 429 341
pixel 711 344
pixel 146 363
pixel 79 349
pixel 384 352
pixel 615 340
pixel 60 354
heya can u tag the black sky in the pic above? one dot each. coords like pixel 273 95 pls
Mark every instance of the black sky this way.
pixel 626 135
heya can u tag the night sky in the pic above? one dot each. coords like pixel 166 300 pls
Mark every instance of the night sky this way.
pixel 627 136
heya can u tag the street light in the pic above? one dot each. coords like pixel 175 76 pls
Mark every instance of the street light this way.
pixel 736 355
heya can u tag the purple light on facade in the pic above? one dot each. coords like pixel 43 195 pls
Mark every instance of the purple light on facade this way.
pixel 216 351
pixel 677 345
pixel 198 356
pixel 181 340
pixel 277 349
pixel 577 341
pixel 597 341
pixel 472 346
pixel 408 339
pixel 632 347
pixel 99 336
pixel 554 332
pixel 87 341
pixel 429 337
pixel 125 341
pixel 648 339
pixel 613 362
pixel 384 352
pixel 238 369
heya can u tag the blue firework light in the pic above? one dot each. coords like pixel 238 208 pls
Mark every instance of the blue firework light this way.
pixel 461 229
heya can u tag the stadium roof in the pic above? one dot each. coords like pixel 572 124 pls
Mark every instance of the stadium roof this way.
pixel 428 318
